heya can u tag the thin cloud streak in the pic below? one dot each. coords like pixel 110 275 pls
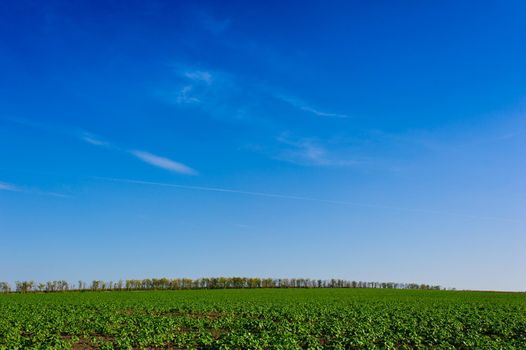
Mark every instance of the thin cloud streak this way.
pixel 309 199
pixel 304 151
pixel 4 186
pixel 98 141
pixel 147 157
pixel 295 102
pixel 51 194
pixel 164 163
pixel 213 87
pixel 321 113
pixel 94 140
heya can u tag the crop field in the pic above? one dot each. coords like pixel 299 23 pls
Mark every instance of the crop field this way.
pixel 263 319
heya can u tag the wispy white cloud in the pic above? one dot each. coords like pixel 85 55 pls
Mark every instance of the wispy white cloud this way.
pixel 305 151
pixel 94 139
pixel 454 138
pixel 501 137
pixel 223 94
pixel 302 105
pixel 186 95
pixel 218 94
pixel 51 194
pixel 197 85
pixel 302 151
pixel 147 157
pixel 199 75
pixel 4 186
pixel 321 113
pixel 164 163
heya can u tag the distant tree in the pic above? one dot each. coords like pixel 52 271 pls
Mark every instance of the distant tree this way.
pixel 4 287
pixel 95 285
pixel 24 286
pixel 209 283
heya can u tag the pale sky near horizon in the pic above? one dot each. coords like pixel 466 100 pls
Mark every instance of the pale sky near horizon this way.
pixel 339 139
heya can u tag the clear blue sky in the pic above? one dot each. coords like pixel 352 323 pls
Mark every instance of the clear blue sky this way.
pixel 348 139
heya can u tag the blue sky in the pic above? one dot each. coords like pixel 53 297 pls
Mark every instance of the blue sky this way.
pixel 359 140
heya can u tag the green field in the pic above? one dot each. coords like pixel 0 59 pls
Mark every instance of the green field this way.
pixel 263 319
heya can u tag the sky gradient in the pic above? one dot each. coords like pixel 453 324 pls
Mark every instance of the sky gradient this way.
pixel 367 141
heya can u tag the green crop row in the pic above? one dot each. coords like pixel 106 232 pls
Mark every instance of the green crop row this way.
pixel 264 319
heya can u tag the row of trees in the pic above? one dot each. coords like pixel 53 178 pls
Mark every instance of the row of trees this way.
pixel 31 286
pixel 204 283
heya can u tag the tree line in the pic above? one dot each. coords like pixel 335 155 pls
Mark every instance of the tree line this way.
pixel 202 283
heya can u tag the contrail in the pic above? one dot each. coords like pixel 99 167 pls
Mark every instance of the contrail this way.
pixel 4 186
pixel 301 198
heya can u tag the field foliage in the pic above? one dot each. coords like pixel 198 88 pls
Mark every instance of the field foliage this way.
pixel 264 319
